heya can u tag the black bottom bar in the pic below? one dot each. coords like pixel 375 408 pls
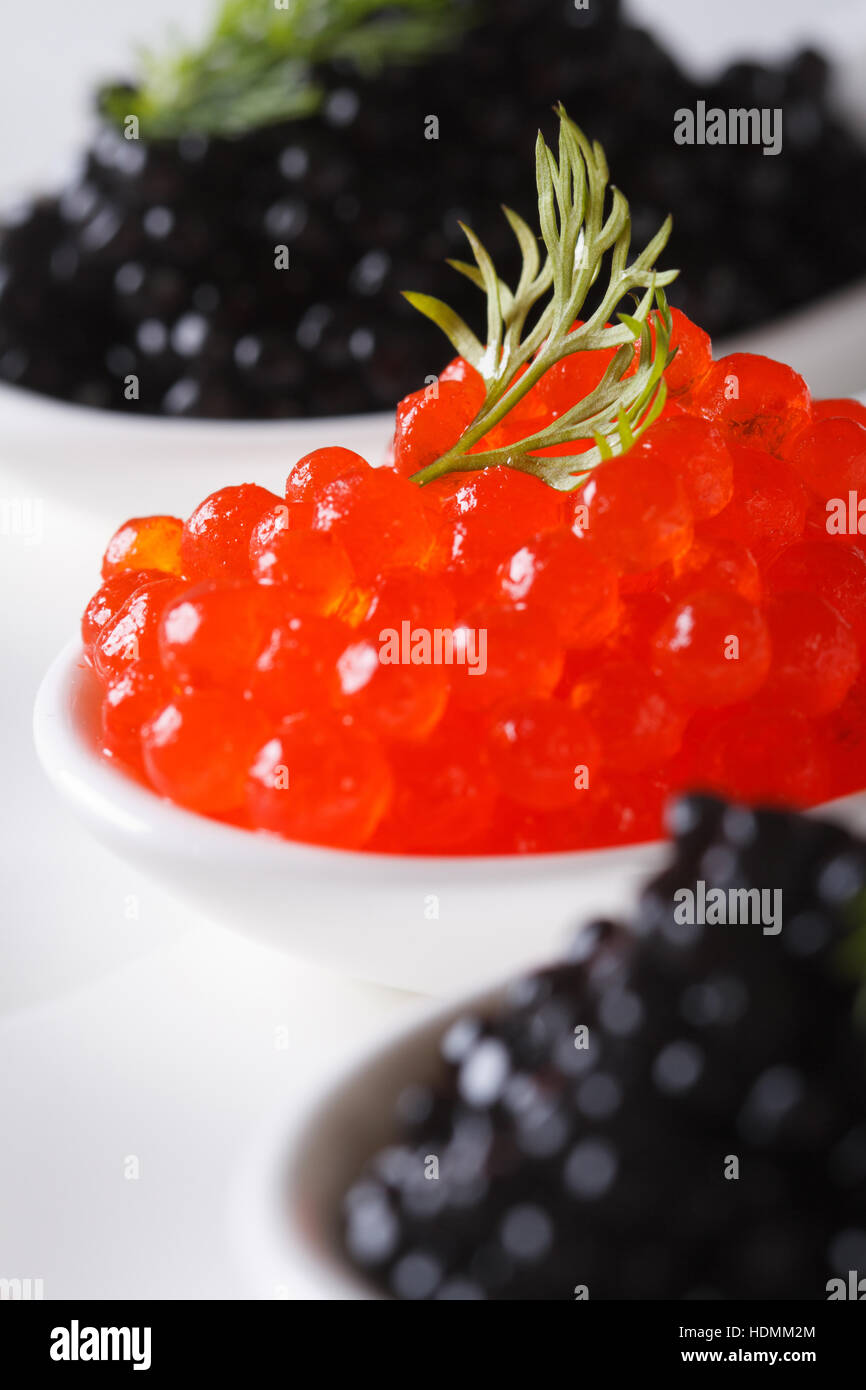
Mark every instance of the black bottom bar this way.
pixel 163 1339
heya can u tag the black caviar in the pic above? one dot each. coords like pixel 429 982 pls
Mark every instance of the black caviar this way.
pixel 158 262
pixel 676 1111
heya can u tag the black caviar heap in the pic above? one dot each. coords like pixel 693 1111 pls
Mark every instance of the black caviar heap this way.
pixel 677 1111
pixel 159 260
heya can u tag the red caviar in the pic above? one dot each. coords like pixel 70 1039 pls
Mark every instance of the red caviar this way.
pixel 712 649
pixel 830 457
pixel 108 599
pixel 311 567
pixel 564 586
pixel 374 514
pixel 759 402
pixel 487 664
pixel 216 537
pixel 635 519
pixel 197 749
pixel 694 354
pixel 768 509
pixel 319 778
pixel 132 634
pixel 144 543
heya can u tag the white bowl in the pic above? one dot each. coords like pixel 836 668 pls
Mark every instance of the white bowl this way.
pixel 284 1208
pixel 368 915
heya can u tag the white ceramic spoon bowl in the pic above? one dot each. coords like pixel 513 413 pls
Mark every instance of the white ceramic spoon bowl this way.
pixel 284 1209
pixel 370 915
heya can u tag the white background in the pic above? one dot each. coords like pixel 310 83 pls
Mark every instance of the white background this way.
pixel 127 1027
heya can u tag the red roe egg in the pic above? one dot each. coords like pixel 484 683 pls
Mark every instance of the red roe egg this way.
pixel 216 537
pixel 816 528
pixel 379 518
pixel 768 509
pixel 637 724
pixel 387 691
pixel 696 451
pixel 630 809
pixel 316 471
pixel 763 403
pixel 839 408
pixel 444 793
pixel 758 755
pixel 144 543
pixel 320 780
pixel 211 634
pixel 429 422
pixel 645 582
pixel 518 829
pixel 640 616
pixel 694 354
pixel 312 567
pixel 543 754
pixel 110 597
pixel 133 633
pixel 564 586
pixel 128 703
pixel 499 651
pixel 484 517
pixel 407 596
pixel 718 564
pixel 831 459
pixel 635 518
pixel 835 573
pixel 472 381
pixel 297 667
pixel 815 658
pixel 712 649
pixel 198 748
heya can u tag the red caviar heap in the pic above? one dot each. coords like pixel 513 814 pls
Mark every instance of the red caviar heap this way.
pixel 684 619
pixel 688 615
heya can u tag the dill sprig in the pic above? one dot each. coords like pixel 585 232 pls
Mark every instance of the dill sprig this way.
pixel 258 63
pixel 577 233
